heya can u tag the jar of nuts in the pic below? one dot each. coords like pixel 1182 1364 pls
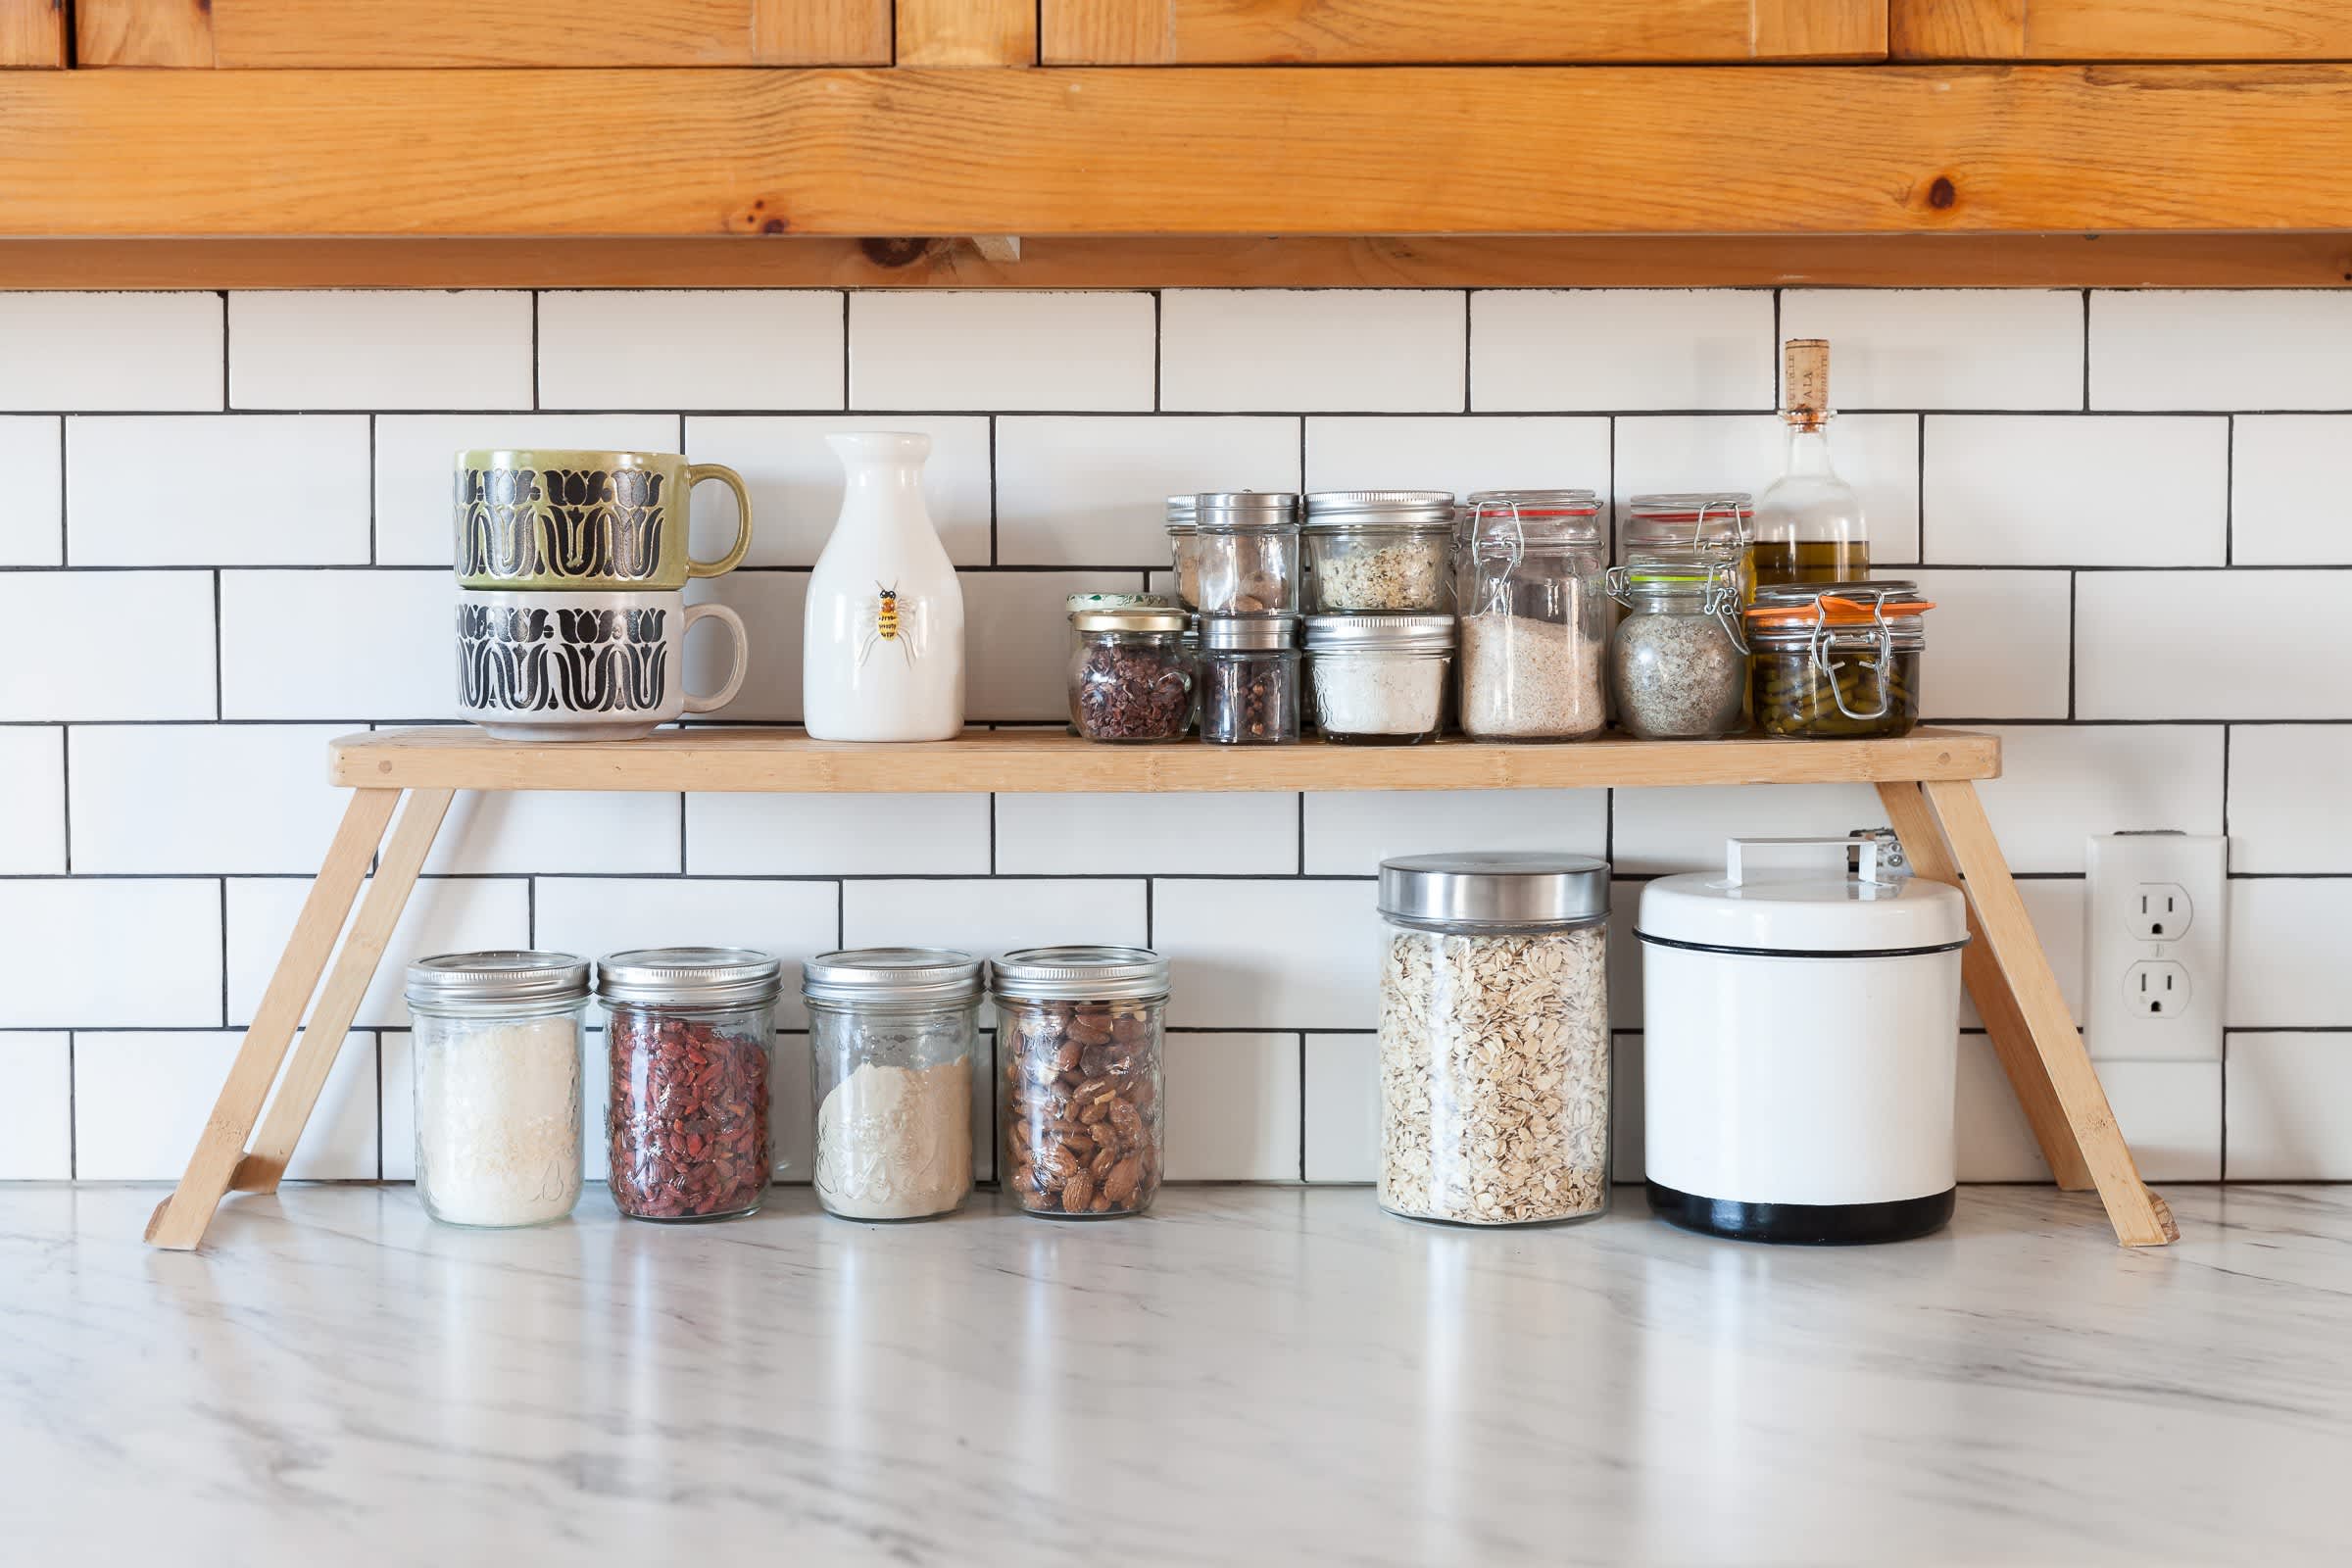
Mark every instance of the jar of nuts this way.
pixel 690 1032
pixel 1248 680
pixel 1246 546
pixel 1129 679
pixel 1080 1029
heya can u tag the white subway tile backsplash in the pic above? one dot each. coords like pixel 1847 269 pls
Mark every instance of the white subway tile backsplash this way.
pixel 1683 829
pixel 2180 645
pixel 772 605
pixel 2054 490
pixel 2215 349
pixel 1878 454
pixel 2288 504
pixel 1460 453
pixel 1146 834
pixel 2289 1107
pixel 1604 349
pixel 837 835
pixel 1280 954
pixel 1990 1136
pixel 142 352
pixel 1090 491
pixel 596 915
pixel 2286 798
pixel 2059 786
pixel 33 765
pixel 31 525
pixel 338 644
pixel 1944 348
pixel 772 348
pixel 2056 907
pixel 946 348
pixel 117 952
pixel 141 644
pixel 396 1113
pixel 416 467
pixel 796 482
pixel 1343 1108
pixel 2287 950
pixel 443 915
pixel 37 1115
pixel 490 833
pixel 1016 641
pixel 140 1102
pixel 203 799
pixel 1231 1110
pixel 1349 833
pixel 979 916
pixel 226 489
pixel 1338 350
pixel 379 349
pixel 1997 644
pixel 2170 1113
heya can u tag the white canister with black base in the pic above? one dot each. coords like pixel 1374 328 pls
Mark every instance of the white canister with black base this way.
pixel 1801 1024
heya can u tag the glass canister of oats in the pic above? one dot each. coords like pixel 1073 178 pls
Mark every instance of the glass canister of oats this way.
pixel 1494 1038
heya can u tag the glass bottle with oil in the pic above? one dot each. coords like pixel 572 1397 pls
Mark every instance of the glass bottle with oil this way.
pixel 1809 522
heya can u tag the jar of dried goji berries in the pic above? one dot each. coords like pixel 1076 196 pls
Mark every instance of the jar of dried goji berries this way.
pixel 1080 1032
pixel 690 1032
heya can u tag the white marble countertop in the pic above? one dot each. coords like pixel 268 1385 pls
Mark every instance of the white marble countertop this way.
pixel 1254 1375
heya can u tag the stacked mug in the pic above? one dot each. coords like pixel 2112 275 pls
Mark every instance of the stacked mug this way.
pixel 572 616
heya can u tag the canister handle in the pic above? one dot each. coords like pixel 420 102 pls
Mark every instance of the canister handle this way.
pixel 1735 849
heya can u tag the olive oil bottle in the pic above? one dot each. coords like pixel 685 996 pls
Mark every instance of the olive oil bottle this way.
pixel 1810 521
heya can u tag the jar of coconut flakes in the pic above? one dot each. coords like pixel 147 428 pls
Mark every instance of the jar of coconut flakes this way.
pixel 496 1043
pixel 1494 1038
pixel 1535 619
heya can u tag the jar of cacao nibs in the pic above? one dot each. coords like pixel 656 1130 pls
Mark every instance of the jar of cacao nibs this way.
pixel 691 1033
pixel 1130 679
pixel 1080 1029
pixel 1248 679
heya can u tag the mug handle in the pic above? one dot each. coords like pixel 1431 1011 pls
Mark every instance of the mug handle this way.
pixel 743 656
pixel 696 473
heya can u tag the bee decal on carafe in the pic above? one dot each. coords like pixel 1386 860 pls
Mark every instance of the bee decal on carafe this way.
pixel 879 623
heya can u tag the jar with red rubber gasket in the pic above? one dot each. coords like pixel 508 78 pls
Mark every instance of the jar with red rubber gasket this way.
pixel 691 1034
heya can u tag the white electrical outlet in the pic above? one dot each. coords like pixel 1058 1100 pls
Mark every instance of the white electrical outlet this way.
pixel 2156 922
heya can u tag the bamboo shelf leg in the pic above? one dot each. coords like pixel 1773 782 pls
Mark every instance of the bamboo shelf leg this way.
pixel 2140 1219
pixel 354 966
pixel 180 1220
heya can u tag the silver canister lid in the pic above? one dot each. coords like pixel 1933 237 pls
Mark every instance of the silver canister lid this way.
pixel 1245 509
pixel 888 975
pixel 1080 975
pixel 1379 509
pixel 1432 634
pixel 465 978
pixel 1181 512
pixel 690 977
pixel 1496 891
pixel 1248 632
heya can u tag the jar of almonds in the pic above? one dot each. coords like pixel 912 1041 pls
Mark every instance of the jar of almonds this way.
pixel 1080 1029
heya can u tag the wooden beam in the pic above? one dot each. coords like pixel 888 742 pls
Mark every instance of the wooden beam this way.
pixel 821 32
pixel 1955 29
pixel 1915 261
pixel 32 32
pixel 966 32
pixel 143 32
pixel 1609 150
pixel 2121 30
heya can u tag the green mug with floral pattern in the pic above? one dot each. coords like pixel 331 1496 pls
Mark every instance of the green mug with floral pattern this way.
pixel 610 521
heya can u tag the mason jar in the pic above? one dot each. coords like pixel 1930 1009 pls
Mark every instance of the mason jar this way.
pixel 1494 1038
pixel 893 1033
pixel 496 1048
pixel 691 1036
pixel 1378 551
pixel 1534 618
pixel 1081 1030
pixel 1678 664
pixel 1184 548
pixel 1379 680
pixel 1130 679
pixel 1248 680
pixel 1698 528
pixel 1836 660
pixel 1246 541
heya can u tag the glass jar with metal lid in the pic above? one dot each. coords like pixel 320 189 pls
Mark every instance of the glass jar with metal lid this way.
pixel 496 1045
pixel 1836 660
pixel 1678 664
pixel 1130 679
pixel 1246 545
pixel 893 1033
pixel 1694 529
pixel 1081 1030
pixel 1248 679
pixel 1534 618
pixel 1380 680
pixel 691 1036
pixel 1184 548
pixel 1494 1038
pixel 1378 551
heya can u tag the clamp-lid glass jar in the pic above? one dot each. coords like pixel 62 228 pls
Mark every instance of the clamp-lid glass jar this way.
pixel 1694 529
pixel 1836 660
pixel 1246 546
pixel 691 1036
pixel 1130 677
pixel 1378 551
pixel 1380 680
pixel 1248 680
pixel 1081 1029
pixel 892 1036
pixel 495 1044
pixel 1494 1038
pixel 1535 619
pixel 1678 664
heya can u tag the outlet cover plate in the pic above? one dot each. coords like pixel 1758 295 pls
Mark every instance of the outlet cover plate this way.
pixel 2125 868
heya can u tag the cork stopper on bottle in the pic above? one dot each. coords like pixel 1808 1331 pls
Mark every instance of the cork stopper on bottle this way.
pixel 1806 375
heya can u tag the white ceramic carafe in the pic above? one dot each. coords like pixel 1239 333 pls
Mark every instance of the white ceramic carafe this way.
pixel 882 654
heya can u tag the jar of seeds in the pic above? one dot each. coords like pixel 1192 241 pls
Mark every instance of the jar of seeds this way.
pixel 1678 664
pixel 1248 680
pixel 1378 551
